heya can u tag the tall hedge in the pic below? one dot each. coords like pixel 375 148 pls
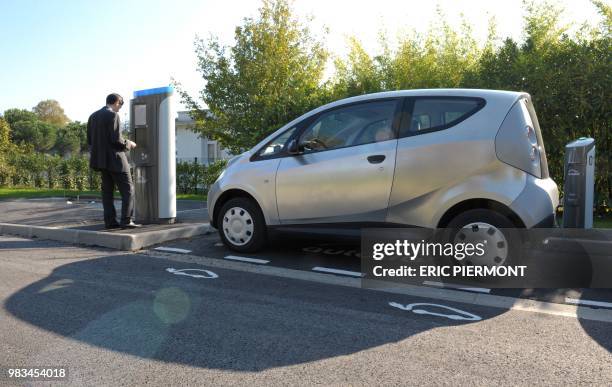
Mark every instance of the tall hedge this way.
pixel 193 178
pixel 39 170
pixel 568 75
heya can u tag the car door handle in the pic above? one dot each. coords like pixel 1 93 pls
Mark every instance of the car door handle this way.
pixel 376 159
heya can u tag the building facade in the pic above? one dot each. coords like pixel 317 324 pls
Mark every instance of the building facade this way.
pixel 190 147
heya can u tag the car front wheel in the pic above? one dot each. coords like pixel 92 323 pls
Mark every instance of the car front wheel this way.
pixel 241 225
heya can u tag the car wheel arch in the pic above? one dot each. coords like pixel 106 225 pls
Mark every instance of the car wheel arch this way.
pixel 479 203
pixel 228 195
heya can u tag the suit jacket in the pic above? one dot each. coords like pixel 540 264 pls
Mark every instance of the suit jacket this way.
pixel 107 146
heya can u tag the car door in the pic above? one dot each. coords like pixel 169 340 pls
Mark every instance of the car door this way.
pixel 344 171
pixel 438 146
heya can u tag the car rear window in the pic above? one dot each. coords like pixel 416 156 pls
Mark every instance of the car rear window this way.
pixel 430 114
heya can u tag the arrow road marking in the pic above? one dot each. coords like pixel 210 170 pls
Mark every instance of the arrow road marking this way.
pixel 463 315
pixel 207 273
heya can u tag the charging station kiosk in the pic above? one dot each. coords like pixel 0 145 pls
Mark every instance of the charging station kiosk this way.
pixel 579 183
pixel 154 158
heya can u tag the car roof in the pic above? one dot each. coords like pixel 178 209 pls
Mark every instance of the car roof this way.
pixel 488 95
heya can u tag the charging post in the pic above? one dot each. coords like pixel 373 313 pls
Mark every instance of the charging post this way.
pixel 579 183
pixel 154 158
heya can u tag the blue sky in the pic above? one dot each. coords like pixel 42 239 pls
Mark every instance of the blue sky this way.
pixel 78 51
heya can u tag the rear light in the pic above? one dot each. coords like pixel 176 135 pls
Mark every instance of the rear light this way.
pixel 534 154
pixel 531 135
pixel 518 141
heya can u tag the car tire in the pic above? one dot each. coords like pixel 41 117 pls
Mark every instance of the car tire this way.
pixel 241 225
pixel 504 240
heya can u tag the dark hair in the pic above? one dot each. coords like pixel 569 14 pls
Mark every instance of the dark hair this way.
pixel 112 98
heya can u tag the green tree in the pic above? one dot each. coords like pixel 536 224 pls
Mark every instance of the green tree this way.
pixel 605 10
pixel 71 139
pixel 359 73
pixel 40 135
pixel 439 58
pixel 50 111
pixel 569 80
pixel 6 170
pixel 213 171
pixel 15 115
pixel 5 135
pixel 271 74
pixel 52 163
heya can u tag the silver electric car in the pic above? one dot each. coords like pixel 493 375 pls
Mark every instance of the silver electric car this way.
pixel 426 158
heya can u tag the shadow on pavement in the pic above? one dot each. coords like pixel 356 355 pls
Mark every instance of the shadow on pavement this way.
pixel 598 331
pixel 595 264
pixel 239 321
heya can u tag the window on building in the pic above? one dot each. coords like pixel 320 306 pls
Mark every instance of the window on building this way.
pixel 212 152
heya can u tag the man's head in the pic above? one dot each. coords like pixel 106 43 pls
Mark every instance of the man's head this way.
pixel 114 101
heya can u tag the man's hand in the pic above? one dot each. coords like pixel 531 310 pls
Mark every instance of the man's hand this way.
pixel 131 144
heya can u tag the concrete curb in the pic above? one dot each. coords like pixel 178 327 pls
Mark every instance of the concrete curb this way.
pixel 117 241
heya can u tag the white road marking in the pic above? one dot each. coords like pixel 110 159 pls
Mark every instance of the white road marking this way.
pixel 576 240
pixel 193 209
pixel 173 250
pixel 218 244
pixel 485 300
pixel 576 301
pixel 337 271
pixel 458 287
pixel 461 316
pixel 246 259
pixel 187 272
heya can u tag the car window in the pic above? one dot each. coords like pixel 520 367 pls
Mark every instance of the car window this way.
pixel 277 145
pixel 439 113
pixel 349 126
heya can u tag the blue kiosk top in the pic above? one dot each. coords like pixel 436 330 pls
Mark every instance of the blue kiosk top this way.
pixel 157 90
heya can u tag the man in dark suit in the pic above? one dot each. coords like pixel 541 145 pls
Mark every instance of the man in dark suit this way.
pixel 107 155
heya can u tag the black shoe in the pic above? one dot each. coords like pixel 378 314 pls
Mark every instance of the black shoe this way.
pixel 112 226
pixel 131 225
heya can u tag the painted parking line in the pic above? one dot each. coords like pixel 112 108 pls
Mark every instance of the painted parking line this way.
pixel 337 271
pixel 173 250
pixel 191 209
pixel 246 259
pixel 458 287
pixel 576 301
pixel 441 294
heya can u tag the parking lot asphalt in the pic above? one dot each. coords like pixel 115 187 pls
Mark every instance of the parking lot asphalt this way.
pixel 288 251
pixel 307 253
pixel 124 318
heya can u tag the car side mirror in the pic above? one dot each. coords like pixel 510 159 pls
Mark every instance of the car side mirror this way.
pixel 293 147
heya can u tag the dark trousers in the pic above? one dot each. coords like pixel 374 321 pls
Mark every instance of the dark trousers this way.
pixel 123 181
